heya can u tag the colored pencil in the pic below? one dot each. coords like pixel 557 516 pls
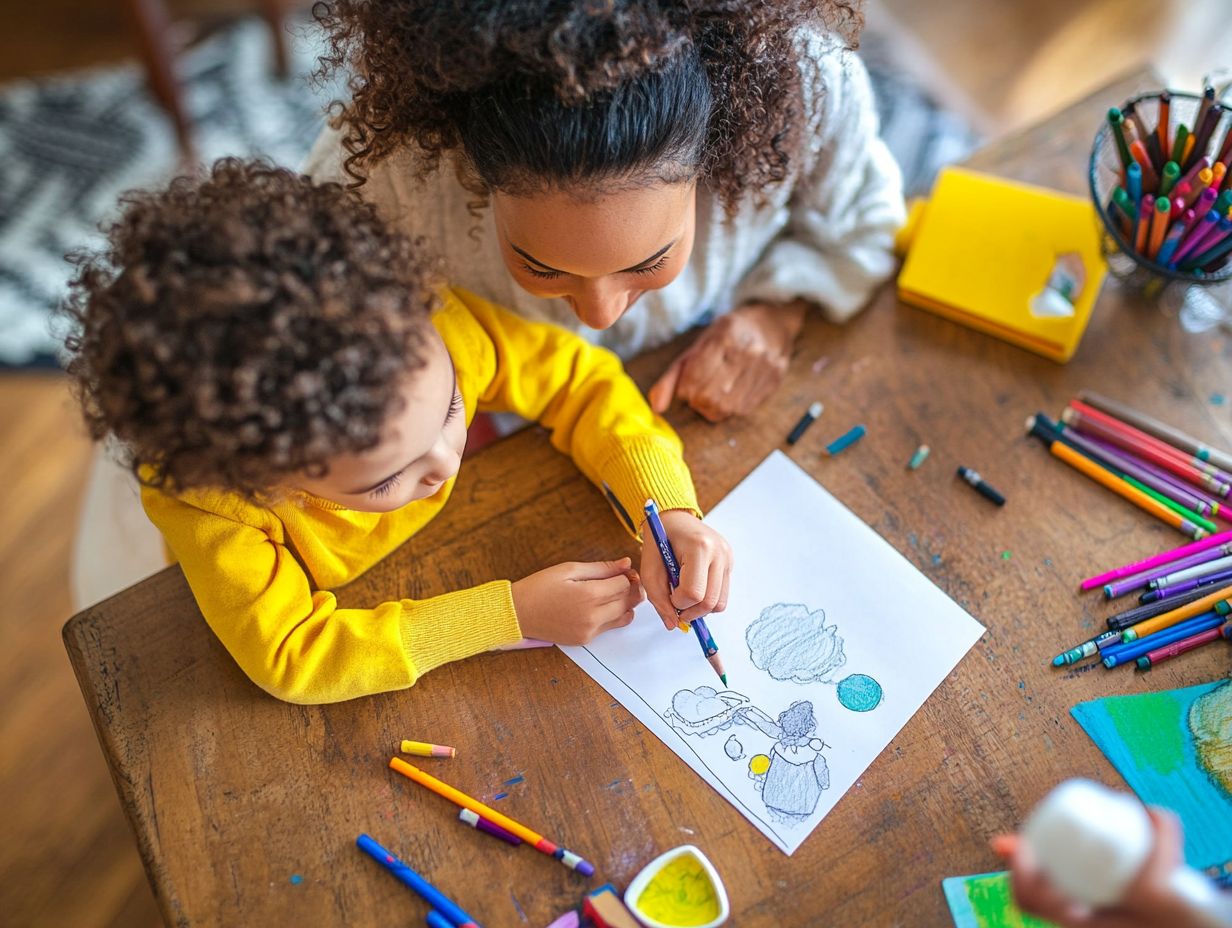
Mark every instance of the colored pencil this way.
pixel 456 796
pixel 1093 422
pixel 1039 426
pixel 1156 560
pixel 1187 586
pixel 1180 614
pixel 1130 651
pixel 1146 577
pixel 1177 648
pixel 424 749
pixel 404 874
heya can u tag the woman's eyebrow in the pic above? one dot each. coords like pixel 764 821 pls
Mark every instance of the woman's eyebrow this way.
pixel 547 267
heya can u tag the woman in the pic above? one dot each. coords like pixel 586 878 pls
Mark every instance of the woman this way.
pixel 630 168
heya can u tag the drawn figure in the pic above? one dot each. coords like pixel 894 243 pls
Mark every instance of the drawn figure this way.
pixel 704 711
pixel 733 748
pixel 798 772
pixel 791 643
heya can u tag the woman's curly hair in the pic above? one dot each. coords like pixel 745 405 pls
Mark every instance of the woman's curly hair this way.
pixel 535 93
pixel 242 327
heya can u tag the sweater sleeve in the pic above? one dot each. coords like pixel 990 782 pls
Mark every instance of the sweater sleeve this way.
pixel 295 642
pixel 847 202
pixel 595 412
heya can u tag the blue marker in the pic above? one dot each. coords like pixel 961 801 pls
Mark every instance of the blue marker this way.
pixel 445 906
pixel 1127 653
pixel 844 441
pixel 710 650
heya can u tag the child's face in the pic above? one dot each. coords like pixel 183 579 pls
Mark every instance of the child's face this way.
pixel 420 449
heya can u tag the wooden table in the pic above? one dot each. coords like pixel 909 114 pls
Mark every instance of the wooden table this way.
pixel 233 794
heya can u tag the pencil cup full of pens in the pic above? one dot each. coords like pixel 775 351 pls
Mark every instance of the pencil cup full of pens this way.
pixel 1162 185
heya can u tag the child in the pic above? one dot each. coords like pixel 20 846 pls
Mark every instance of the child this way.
pixel 295 400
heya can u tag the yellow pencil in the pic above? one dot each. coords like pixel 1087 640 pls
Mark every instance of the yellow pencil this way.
pixel 456 796
pixel 1114 483
pixel 1179 614
pixel 423 749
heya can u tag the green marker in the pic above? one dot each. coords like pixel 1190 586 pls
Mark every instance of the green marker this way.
pixel 1178 147
pixel 1117 120
pixel 1169 176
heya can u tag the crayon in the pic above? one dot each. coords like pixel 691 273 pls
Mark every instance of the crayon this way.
pixel 456 796
pixel 1124 653
pixel 809 417
pixel 404 874
pixel 423 749
pixel 984 489
pixel 1177 648
pixel 920 456
pixel 479 823
pixel 846 440
pixel 1156 560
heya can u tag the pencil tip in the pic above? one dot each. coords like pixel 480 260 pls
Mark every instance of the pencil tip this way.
pixel 723 677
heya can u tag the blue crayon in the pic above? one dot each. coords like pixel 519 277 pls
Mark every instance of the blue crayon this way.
pixel 446 907
pixel 1131 651
pixel 844 441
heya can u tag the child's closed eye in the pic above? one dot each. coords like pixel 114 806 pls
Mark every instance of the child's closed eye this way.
pixel 455 406
pixel 387 487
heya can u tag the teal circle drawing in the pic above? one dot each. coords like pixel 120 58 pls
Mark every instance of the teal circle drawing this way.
pixel 859 693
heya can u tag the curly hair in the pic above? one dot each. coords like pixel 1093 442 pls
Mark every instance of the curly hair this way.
pixel 535 93
pixel 242 327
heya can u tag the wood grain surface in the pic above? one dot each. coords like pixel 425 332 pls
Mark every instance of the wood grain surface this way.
pixel 232 793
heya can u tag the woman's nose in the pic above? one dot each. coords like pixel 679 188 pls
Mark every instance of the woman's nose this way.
pixel 599 305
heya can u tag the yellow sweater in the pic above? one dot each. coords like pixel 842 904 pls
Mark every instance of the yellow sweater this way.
pixel 262 575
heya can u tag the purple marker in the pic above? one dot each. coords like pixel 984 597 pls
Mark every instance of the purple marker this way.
pixel 1184 493
pixel 477 821
pixel 1121 587
pixel 1186 586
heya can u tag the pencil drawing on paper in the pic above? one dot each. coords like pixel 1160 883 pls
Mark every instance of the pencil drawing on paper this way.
pixel 791 643
pixel 790 774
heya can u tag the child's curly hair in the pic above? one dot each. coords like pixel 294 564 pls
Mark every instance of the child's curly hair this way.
pixel 536 93
pixel 244 327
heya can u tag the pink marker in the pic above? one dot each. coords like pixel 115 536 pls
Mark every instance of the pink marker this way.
pixel 1166 557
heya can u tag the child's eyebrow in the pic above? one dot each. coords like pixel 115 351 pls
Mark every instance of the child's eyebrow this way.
pixel 385 480
pixel 547 267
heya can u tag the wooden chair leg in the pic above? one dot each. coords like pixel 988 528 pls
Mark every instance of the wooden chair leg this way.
pixel 152 25
pixel 272 11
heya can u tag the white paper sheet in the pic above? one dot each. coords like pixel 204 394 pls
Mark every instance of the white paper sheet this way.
pixel 822 611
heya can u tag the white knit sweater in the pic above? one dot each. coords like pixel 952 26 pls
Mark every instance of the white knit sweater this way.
pixel 824 234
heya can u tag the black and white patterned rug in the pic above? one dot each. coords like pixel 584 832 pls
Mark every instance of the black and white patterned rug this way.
pixel 70 145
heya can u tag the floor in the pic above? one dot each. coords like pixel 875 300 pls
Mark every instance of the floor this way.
pixel 69 858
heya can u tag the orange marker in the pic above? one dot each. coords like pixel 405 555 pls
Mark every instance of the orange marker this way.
pixel 1189 147
pixel 1146 210
pixel 1159 225
pixel 1165 105
pixel 456 796
pixel 1150 177
pixel 1179 614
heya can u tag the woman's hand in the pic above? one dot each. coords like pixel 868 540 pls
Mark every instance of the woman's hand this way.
pixel 572 603
pixel 705 560
pixel 735 364
pixel 1148 903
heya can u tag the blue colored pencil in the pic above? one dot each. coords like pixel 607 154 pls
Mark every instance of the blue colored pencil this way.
pixel 404 874
pixel 710 650
pixel 1130 651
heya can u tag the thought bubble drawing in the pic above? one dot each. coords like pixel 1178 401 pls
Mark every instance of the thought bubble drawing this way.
pixel 733 748
pixel 790 643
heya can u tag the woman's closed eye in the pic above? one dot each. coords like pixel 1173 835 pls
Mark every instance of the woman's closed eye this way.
pixel 552 275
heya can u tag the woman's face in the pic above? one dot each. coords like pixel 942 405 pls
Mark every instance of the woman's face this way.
pixel 598 253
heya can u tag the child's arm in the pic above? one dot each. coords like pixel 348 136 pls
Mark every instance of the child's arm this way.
pixel 598 417
pixel 846 205
pixel 296 643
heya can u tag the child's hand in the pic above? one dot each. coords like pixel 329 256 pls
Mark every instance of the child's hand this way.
pixel 572 603
pixel 705 560
pixel 1148 903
